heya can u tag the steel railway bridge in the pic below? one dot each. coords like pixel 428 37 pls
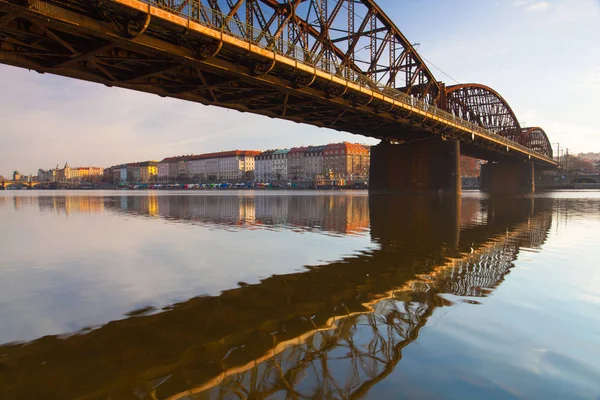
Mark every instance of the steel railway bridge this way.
pixel 339 64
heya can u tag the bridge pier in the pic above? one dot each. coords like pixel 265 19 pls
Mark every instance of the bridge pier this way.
pixel 424 167
pixel 508 177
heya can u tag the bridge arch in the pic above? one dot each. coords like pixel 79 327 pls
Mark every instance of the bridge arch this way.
pixel 27 184
pixel 585 179
pixel 485 107
pixel 536 139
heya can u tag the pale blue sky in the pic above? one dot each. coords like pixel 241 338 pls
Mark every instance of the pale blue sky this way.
pixel 542 56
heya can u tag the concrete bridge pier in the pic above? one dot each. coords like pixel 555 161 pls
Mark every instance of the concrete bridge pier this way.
pixel 508 177
pixel 430 166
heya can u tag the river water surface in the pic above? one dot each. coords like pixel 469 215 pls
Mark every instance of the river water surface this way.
pixel 298 295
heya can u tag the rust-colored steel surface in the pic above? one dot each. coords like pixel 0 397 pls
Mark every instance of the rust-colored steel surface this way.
pixel 340 64
pixel 485 107
pixel 536 139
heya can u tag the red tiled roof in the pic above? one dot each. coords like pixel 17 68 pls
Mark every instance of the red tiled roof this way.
pixel 355 147
pixel 298 149
pixel 232 153
pixel 177 159
pixel 220 154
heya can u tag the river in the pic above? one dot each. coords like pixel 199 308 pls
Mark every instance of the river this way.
pixel 298 295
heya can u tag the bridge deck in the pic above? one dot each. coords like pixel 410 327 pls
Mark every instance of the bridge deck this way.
pixel 136 45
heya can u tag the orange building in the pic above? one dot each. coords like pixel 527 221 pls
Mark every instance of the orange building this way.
pixel 349 161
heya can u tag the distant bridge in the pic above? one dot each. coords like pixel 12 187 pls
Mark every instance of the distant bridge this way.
pixel 339 64
pixel 29 184
pixel 583 179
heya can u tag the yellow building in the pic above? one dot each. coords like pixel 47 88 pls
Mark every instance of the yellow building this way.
pixel 84 173
pixel 78 174
pixel 69 174
pixel 148 171
pixel 89 174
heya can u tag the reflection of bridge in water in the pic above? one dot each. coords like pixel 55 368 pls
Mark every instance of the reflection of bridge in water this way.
pixel 332 331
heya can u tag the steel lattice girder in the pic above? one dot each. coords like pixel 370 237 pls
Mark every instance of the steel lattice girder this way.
pixel 333 33
pixel 536 139
pixel 485 107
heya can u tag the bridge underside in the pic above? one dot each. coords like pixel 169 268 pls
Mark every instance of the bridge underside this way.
pixel 115 44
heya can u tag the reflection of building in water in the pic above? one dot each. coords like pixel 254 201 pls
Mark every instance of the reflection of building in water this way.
pixel 210 209
pixel 23 201
pixel 332 213
pixel 71 204
pixel 123 203
pixel 340 214
pixel 227 209
pixel 272 210
pixel 146 205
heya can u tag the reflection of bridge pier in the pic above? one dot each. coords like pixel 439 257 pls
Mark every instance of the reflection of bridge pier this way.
pixel 432 221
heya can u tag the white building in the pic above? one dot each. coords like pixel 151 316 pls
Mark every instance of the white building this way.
pixel 47 175
pixel 163 171
pixel 313 161
pixel 263 168
pixel 123 173
pixel 280 165
pixel 226 166
pixel 173 169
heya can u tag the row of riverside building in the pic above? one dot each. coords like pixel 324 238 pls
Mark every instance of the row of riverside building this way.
pixel 65 174
pixel 332 162
pixel 339 161
pixel 225 166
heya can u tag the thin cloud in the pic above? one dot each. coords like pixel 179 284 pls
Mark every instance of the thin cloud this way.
pixel 538 7
pixel 590 80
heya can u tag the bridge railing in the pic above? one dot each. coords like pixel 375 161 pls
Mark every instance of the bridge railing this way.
pixel 195 11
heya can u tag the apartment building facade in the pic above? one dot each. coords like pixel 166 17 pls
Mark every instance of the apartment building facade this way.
pixel 313 162
pixel 296 163
pixel 173 169
pixel 72 174
pixel 280 165
pixel 263 166
pixel 346 161
pixel 226 166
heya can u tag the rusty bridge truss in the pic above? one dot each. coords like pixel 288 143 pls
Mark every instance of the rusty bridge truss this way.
pixel 340 64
